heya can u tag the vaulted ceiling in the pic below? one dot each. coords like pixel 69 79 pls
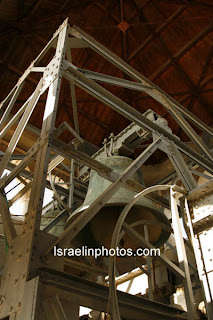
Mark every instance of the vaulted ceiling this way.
pixel 168 41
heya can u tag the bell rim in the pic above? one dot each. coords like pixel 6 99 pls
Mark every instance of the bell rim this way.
pixel 158 215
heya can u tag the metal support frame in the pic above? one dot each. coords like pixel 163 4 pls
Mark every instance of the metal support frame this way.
pixel 180 165
pixel 73 95
pixel 32 249
pixel 202 275
pixel 173 106
pixel 126 110
pixel 182 258
pixel 81 221
pixel 93 295
pixel 182 271
pixel 199 218
pixel 7 221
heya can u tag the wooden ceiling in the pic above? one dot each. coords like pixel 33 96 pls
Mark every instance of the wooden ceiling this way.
pixel 168 41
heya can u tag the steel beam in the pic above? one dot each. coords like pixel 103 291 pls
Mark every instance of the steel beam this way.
pixel 28 158
pixel 119 82
pixel 93 295
pixel 73 96
pixel 126 110
pixel 9 228
pixel 203 189
pixel 42 158
pixel 11 104
pixel 163 100
pixel 182 257
pixel 80 222
pixel 14 118
pixel 202 275
pixel 142 241
pixel 68 151
pixel 107 54
pixel 23 245
pixel 180 165
pixel 20 128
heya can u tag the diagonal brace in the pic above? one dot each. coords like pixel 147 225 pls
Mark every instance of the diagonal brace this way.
pixel 7 221
pixel 80 222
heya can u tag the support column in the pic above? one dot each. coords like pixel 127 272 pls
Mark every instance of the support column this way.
pixel 182 258
pixel 23 254
pixel 202 276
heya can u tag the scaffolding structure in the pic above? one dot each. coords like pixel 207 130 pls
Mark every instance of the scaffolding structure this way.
pixel 34 285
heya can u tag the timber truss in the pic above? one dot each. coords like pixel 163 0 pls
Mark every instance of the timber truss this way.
pixel 34 285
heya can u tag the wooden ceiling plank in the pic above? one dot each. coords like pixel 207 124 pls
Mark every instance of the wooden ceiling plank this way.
pixel 203 100
pixel 194 3
pixel 207 90
pixel 206 81
pixel 179 68
pixel 63 5
pixel 186 77
pixel 205 103
pixel 122 10
pixel 157 93
pixel 208 60
pixel 105 10
pixel 20 73
pixel 21 9
pixel 88 116
pixel 200 36
pixel 124 42
pixel 162 27
pixel 134 15
pixel 33 8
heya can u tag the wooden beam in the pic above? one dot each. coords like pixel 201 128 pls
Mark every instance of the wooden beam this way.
pixel 191 4
pixel 20 73
pixel 107 12
pixel 20 9
pixel 181 52
pixel 205 67
pixel 162 27
pixel 124 33
pixel 206 81
pixel 33 8
pixel 194 89
pixel 134 15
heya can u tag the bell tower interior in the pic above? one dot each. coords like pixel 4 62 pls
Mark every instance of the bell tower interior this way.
pixel 106 181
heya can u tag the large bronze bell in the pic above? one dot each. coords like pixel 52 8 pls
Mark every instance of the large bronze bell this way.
pixel 99 230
